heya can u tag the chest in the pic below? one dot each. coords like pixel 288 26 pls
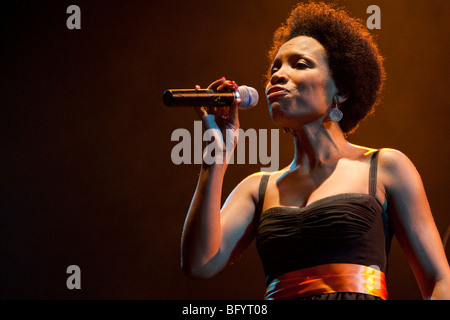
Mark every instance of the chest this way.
pixel 300 189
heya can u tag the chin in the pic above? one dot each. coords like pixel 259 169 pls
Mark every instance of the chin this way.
pixel 277 114
pixel 281 120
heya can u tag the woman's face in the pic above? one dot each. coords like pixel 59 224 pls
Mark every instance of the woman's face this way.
pixel 301 89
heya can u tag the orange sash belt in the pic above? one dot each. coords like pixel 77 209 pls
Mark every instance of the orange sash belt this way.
pixel 327 278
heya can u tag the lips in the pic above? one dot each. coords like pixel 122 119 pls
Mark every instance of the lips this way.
pixel 275 92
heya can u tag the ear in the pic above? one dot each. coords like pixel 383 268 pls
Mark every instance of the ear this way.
pixel 342 96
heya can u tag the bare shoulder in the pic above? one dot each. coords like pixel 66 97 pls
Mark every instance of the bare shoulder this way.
pixel 396 169
pixel 250 184
pixel 252 180
pixel 394 161
pixel 393 158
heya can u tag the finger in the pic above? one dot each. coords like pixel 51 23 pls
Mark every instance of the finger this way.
pixel 217 83
pixel 226 111
pixel 231 86
pixel 228 85
pixel 203 110
pixel 199 110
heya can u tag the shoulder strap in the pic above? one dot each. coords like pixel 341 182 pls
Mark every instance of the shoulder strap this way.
pixel 262 192
pixel 373 173
pixel 388 232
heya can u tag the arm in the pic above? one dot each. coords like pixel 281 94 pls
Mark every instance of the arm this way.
pixel 414 225
pixel 213 236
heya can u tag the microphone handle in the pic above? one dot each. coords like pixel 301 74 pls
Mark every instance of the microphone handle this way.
pixel 200 97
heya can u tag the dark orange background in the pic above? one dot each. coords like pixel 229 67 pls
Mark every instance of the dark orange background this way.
pixel 87 177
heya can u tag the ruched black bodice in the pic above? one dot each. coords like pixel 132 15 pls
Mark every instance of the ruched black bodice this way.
pixel 343 228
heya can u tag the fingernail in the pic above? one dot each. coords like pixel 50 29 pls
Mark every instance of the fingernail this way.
pixel 234 84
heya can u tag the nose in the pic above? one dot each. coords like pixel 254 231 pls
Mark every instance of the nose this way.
pixel 278 77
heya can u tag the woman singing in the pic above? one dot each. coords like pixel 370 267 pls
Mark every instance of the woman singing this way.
pixel 323 224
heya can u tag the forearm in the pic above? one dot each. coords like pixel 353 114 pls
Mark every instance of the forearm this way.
pixel 441 290
pixel 202 230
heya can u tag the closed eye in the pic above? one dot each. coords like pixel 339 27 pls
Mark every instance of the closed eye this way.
pixel 276 65
pixel 296 61
pixel 301 64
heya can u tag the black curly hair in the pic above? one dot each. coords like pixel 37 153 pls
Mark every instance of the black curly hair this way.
pixel 354 59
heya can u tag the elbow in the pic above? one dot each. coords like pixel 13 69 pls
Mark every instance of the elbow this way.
pixel 193 275
pixel 196 273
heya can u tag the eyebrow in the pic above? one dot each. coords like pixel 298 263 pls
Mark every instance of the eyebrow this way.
pixel 295 56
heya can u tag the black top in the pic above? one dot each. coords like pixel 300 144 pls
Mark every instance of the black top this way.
pixel 343 228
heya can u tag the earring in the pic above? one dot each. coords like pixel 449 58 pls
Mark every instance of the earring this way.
pixel 336 114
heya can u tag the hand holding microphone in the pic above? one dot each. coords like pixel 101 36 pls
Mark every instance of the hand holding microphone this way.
pixel 218 99
pixel 211 97
pixel 217 106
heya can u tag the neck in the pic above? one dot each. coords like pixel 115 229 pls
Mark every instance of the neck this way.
pixel 317 145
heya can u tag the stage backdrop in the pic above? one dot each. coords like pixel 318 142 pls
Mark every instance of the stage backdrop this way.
pixel 87 175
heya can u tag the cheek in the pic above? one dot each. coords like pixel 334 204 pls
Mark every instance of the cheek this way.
pixel 330 90
pixel 319 92
pixel 313 95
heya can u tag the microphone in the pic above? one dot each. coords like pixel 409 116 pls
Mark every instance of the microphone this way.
pixel 212 98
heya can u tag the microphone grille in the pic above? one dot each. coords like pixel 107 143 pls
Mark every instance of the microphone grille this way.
pixel 249 97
